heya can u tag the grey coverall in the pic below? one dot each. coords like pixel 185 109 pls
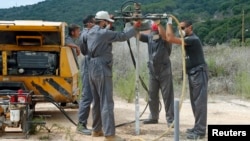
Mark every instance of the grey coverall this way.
pixel 160 76
pixel 70 40
pixel 99 43
pixel 198 81
pixel 86 98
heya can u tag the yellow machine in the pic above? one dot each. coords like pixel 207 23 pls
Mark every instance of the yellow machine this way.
pixel 33 57
pixel 35 66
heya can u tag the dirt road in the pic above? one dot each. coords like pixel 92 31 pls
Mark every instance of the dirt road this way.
pixel 224 109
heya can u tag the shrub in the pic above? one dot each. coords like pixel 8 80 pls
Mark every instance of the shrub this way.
pixel 229 70
pixel 247 42
pixel 235 42
pixel 215 70
pixel 125 85
pixel 242 81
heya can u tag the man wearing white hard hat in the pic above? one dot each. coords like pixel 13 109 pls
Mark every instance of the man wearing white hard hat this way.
pixel 99 47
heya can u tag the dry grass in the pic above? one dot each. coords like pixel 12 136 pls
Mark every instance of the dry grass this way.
pixel 227 66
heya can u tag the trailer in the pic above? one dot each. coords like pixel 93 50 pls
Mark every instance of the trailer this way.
pixel 35 66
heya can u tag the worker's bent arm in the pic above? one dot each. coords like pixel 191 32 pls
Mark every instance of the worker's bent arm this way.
pixel 71 45
pixel 170 35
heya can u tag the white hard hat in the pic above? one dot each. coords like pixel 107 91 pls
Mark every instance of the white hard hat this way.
pixel 103 15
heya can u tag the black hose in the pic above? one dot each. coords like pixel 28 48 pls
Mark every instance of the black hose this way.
pixel 134 63
pixel 141 80
pixel 143 85
pixel 61 109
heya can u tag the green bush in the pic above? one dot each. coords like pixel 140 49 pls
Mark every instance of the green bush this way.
pixel 215 70
pixel 242 82
pixel 228 71
pixel 235 42
pixel 125 85
pixel 247 42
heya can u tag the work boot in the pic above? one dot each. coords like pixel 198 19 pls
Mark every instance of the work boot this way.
pixel 188 131
pixel 113 138
pixel 195 136
pixel 97 133
pixel 150 121
pixel 82 129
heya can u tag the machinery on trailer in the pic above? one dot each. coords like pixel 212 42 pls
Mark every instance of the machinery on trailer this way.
pixel 35 66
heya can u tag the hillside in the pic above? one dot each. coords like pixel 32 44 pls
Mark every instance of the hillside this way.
pixel 215 21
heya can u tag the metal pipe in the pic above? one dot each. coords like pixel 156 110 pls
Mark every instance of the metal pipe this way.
pixel 137 92
pixel 176 121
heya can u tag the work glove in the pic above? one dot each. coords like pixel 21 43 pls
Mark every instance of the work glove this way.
pixel 169 20
pixel 154 27
pixel 137 24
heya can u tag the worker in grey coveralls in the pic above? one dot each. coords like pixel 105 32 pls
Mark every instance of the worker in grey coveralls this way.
pixel 160 73
pixel 99 43
pixel 86 98
pixel 72 40
pixel 197 72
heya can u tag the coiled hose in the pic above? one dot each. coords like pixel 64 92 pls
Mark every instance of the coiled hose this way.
pixel 184 76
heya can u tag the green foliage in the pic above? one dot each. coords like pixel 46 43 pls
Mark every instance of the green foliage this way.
pixel 242 84
pixel 247 42
pixel 44 138
pixel 235 43
pixel 215 70
pixel 34 128
pixel 161 6
pixel 215 21
pixel 125 85
pixel 226 65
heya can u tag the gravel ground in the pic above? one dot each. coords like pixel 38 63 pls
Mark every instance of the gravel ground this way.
pixel 225 109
